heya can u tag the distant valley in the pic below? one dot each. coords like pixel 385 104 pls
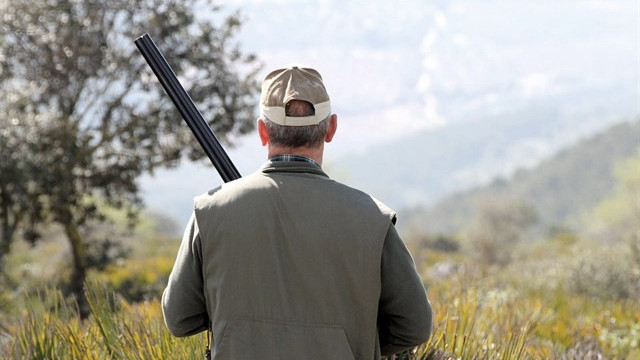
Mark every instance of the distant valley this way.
pixel 560 189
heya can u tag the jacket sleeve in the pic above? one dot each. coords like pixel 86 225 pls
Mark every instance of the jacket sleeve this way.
pixel 404 313
pixel 183 303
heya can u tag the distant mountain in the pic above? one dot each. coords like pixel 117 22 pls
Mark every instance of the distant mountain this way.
pixel 477 146
pixel 506 91
pixel 419 169
pixel 560 188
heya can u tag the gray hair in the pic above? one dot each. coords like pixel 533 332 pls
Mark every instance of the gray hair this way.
pixel 297 136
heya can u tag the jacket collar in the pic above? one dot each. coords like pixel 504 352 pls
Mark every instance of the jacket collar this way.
pixel 292 167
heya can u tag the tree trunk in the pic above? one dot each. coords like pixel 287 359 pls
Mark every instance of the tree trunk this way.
pixel 7 231
pixel 5 246
pixel 79 272
pixel 5 243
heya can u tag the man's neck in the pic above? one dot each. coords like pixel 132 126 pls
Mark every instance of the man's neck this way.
pixel 312 153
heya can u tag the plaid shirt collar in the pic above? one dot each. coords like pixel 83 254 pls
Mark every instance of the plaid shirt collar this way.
pixel 291 157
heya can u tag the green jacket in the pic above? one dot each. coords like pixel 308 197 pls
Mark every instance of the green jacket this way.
pixel 287 263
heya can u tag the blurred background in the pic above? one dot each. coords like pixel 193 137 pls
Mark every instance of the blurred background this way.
pixel 506 134
pixel 434 97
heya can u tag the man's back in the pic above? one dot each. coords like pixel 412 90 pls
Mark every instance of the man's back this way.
pixel 287 263
pixel 281 277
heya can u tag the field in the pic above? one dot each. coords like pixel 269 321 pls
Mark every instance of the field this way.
pixel 558 298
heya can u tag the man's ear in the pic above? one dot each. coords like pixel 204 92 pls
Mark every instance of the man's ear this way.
pixel 262 132
pixel 331 130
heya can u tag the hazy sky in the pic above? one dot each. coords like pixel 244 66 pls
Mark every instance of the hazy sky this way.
pixel 397 67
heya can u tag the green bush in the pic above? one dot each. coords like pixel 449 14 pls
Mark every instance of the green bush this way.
pixel 138 279
pixel 607 272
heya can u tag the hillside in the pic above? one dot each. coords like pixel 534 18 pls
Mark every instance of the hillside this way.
pixel 560 188
pixel 422 168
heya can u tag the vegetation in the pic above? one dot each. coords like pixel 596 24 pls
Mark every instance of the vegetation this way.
pixel 81 116
pixel 503 318
pixel 558 190
pixel 561 295
pixel 116 329
pixel 578 289
pixel 547 267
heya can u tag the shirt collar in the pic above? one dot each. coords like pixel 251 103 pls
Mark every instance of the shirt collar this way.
pixel 292 157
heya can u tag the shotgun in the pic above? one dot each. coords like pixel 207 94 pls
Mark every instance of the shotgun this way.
pixel 181 99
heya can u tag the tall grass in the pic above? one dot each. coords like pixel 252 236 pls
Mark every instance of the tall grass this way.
pixel 473 319
pixel 471 326
pixel 116 329
pixel 470 323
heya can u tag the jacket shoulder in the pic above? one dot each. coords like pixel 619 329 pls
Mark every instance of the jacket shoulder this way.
pixel 368 199
pixel 227 191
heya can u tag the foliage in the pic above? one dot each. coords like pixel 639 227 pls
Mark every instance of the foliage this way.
pixel 82 117
pixel 533 302
pixel 527 309
pixel 116 329
pixel 578 297
pixel 19 190
pixel 470 322
pixel 615 218
pixel 499 227
pixel 560 188
pixel 609 273
pixel 469 327
pixel 139 279
pixel 570 296
pixel 610 266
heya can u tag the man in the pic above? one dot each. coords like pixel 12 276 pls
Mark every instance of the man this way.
pixel 288 264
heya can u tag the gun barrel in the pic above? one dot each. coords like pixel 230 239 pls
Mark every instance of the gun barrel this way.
pixel 183 102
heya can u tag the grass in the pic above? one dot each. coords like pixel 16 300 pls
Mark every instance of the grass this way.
pixel 469 324
pixel 536 307
pixel 116 329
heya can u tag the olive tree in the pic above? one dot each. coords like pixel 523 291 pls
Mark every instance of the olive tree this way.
pixel 83 117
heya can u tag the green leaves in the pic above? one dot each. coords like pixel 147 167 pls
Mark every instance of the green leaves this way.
pixel 82 117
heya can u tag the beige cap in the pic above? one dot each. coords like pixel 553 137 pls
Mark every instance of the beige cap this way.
pixel 294 83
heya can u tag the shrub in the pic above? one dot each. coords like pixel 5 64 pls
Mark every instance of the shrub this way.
pixel 607 273
pixel 138 279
